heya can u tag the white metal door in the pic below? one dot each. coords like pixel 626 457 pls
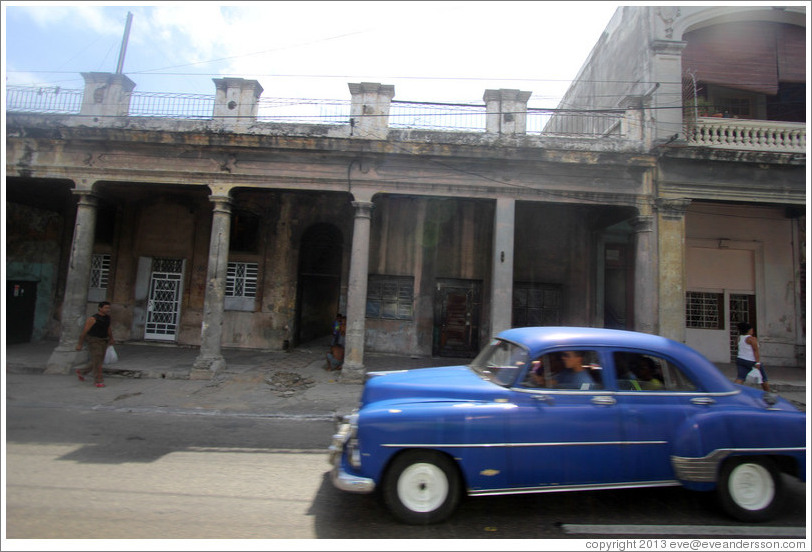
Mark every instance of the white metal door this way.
pixel 165 292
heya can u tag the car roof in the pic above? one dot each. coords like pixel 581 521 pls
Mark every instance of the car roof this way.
pixel 538 339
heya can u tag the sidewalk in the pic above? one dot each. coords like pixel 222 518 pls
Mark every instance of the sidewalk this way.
pixel 155 377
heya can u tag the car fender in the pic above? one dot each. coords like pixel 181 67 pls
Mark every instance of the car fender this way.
pixel 470 432
pixel 704 441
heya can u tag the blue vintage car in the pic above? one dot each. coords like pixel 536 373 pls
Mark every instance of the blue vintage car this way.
pixel 554 409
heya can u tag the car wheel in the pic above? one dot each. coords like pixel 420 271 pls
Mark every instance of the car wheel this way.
pixel 422 487
pixel 750 489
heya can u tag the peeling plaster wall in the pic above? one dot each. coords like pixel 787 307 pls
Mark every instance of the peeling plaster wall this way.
pixel 767 236
pixel 33 239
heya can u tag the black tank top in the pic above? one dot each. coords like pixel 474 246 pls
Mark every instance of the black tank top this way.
pixel 102 326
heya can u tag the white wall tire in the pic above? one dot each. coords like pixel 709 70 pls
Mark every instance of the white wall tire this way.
pixel 750 489
pixel 422 487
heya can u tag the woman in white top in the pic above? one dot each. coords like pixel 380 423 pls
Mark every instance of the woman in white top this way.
pixel 749 356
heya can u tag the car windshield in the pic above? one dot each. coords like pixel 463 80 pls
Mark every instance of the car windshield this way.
pixel 500 362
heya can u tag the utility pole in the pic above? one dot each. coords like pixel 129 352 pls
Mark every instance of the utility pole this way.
pixel 126 38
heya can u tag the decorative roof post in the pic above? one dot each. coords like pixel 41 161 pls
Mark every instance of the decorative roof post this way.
pixel 106 95
pixel 506 111
pixel 236 102
pixel 369 110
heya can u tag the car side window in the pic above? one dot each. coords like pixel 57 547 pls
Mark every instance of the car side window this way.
pixel 578 370
pixel 644 372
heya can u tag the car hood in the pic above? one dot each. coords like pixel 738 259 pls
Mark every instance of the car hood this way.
pixel 429 384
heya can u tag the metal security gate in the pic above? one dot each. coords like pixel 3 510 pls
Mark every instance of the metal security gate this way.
pixel 165 292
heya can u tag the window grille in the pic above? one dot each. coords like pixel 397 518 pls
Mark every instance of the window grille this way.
pixel 390 297
pixel 99 271
pixel 241 279
pixel 704 310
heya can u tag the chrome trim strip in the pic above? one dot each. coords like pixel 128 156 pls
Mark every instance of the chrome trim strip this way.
pixel 517 445
pixel 562 488
pixel 624 393
pixel 705 468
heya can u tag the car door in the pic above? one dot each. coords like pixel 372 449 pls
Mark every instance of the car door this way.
pixel 655 398
pixel 565 437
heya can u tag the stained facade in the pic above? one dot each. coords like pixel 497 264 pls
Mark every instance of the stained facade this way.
pixel 234 232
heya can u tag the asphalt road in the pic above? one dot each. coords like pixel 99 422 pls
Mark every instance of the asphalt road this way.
pixel 82 474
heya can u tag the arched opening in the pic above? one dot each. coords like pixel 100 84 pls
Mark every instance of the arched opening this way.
pixel 319 282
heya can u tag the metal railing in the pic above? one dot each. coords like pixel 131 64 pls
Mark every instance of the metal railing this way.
pixel 293 110
pixel 48 99
pixel 175 106
pixel 437 116
pixel 402 114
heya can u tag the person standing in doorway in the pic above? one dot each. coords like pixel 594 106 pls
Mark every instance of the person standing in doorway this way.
pixel 98 333
pixel 749 356
pixel 335 358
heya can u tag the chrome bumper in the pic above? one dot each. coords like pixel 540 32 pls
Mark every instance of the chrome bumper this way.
pixel 340 478
pixel 351 483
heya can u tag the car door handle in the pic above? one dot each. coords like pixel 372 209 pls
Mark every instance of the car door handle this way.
pixel 604 401
pixel 544 398
pixel 703 401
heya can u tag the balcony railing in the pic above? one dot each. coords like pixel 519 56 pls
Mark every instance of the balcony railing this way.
pixel 748 134
pixel 402 114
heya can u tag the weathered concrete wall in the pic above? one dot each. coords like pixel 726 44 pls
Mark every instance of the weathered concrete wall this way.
pixel 33 252
pixel 426 238
pixel 769 238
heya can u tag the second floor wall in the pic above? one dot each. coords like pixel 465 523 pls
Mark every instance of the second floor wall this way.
pixel 684 65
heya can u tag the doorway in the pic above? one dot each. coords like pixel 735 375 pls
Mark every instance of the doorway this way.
pixel 165 293
pixel 319 282
pixel 456 318
pixel 21 302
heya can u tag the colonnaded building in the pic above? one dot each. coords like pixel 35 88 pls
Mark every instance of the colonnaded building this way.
pixel 666 194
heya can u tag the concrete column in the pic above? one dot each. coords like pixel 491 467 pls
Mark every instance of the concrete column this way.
pixel 671 253
pixel 504 225
pixel 210 359
pixel 506 111
pixel 666 69
pixel 645 275
pixel 106 95
pixel 369 110
pixel 353 369
pixel 65 357
pixel 236 102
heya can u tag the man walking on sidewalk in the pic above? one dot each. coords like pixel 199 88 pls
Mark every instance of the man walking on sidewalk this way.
pixel 99 334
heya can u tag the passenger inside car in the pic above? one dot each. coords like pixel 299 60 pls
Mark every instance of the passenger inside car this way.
pixel 575 374
pixel 646 371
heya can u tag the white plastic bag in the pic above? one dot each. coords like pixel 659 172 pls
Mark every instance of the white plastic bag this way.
pixel 110 356
pixel 753 376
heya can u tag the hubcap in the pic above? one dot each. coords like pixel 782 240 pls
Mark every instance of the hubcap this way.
pixel 751 486
pixel 422 487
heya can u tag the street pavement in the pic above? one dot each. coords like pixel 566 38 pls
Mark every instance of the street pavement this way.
pixel 155 378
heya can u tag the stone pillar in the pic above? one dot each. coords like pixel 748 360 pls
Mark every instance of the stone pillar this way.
pixel 645 275
pixel 106 95
pixel 506 111
pixel 353 369
pixel 671 252
pixel 210 359
pixel 369 110
pixel 236 102
pixel 502 265
pixel 65 357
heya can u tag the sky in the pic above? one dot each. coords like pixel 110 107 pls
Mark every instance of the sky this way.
pixel 431 51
